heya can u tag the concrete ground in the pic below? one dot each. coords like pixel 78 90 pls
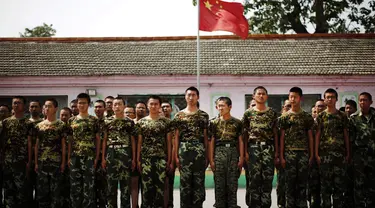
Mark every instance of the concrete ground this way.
pixel 210 198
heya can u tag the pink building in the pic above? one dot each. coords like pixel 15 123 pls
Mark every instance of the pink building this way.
pixel 136 67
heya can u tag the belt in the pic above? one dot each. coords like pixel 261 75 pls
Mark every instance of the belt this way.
pixel 226 145
pixel 117 146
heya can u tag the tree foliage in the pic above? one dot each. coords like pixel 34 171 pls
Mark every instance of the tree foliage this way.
pixel 39 31
pixel 325 16
pixel 310 16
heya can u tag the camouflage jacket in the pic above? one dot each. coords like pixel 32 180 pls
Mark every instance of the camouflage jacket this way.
pixel 191 126
pixel 226 130
pixel 14 139
pixel 119 130
pixel 154 136
pixel 101 124
pixel 331 128
pixel 362 130
pixel 296 126
pixel 259 125
pixel 82 132
pixel 50 135
pixel 33 133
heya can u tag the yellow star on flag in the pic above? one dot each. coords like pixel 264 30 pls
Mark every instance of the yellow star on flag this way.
pixel 208 5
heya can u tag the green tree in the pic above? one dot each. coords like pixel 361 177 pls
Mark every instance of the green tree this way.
pixel 295 16
pixel 39 31
pixel 325 16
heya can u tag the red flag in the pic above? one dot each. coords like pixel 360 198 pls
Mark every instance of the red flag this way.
pixel 226 16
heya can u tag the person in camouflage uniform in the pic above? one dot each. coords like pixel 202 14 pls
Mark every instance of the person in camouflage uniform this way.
pixel 83 152
pixel 50 157
pixel 35 109
pixel 297 140
pixel 16 161
pixel 350 108
pixel 4 113
pixel 168 203
pixel 118 154
pixel 65 115
pixel 154 154
pixel 109 103
pixel 100 176
pixel 140 112
pixel 226 154
pixel 191 155
pixel 261 138
pixel 313 192
pixel 331 151
pixel 362 133
pixel 280 188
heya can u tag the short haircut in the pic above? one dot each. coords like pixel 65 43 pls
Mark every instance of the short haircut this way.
pixel 166 101
pixel 140 101
pixel 109 97
pixel 54 102
pixel 100 101
pixel 20 98
pixel 120 98
pixel 352 103
pixel 319 100
pixel 259 88
pixel 130 106
pixel 227 100
pixel 84 96
pixel 330 90
pixel 192 88
pixel 155 97
pixel 4 105
pixel 67 109
pixel 296 90
pixel 74 101
pixel 368 95
pixel 36 101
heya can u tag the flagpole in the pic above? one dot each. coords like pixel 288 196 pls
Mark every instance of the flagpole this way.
pixel 198 48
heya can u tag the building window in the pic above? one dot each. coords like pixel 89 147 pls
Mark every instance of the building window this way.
pixel 276 101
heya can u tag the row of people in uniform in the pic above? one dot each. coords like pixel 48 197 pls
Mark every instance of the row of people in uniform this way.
pixel 156 145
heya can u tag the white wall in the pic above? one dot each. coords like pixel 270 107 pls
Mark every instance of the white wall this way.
pixel 234 86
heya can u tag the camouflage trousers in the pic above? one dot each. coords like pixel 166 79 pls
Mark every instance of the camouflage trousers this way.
pixel 192 174
pixel 333 179
pixel 261 170
pixel 1 183
pixel 349 192
pixel 82 172
pixel 16 185
pixel 100 185
pixel 280 189
pixel 66 187
pixel 247 194
pixel 153 182
pixel 226 176
pixel 49 183
pixel 170 188
pixel 118 172
pixel 296 175
pixel 364 178
pixel 313 192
